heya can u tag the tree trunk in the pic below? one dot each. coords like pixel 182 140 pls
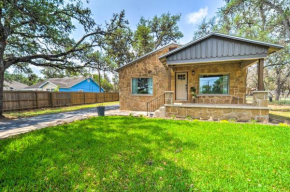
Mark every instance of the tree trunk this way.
pixel 100 81
pixel 1 92
pixel 277 93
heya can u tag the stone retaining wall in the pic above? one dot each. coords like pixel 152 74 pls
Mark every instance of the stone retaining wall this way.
pixel 208 113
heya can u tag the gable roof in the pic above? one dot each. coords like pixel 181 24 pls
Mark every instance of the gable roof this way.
pixel 66 82
pixel 145 55
pixel 14 84
pixel 275 47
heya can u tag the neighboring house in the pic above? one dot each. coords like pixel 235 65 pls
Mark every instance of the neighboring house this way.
pixel 214 65
pixel 67 84
pixel 13 86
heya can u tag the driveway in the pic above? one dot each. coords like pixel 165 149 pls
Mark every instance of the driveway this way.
pixel 12 127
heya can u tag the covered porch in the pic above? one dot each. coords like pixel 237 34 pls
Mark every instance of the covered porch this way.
pixel 257 111
pixel 207 79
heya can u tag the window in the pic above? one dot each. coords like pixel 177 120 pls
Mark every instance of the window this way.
pixel 181 76
pixel 214 84
pixel 142 86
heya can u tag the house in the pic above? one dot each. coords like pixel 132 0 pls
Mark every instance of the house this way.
pixel 214 66
pixel 68 84
pixel 13 86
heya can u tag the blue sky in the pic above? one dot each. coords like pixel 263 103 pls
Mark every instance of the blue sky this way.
pixel 192 12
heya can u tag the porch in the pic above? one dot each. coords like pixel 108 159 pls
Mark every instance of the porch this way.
pixel 257 111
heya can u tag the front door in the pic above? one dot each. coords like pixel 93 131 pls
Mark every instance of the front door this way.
pixel 181 86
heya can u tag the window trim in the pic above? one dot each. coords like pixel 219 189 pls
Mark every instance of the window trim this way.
pixel 214 94
pixel 138 94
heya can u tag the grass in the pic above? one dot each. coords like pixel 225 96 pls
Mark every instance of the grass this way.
pixel 280 113
pixel 30 113
pixel 140 154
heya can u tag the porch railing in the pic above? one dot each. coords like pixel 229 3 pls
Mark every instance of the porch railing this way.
pixel 155 103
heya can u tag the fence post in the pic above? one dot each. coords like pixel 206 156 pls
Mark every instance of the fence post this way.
pixel 52 99
pixel 36 97
pixel 84 97
pixel 104 97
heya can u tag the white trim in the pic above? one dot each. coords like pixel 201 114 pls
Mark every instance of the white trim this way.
pixel 40 86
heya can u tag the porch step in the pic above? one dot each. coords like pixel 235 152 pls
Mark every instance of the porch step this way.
pixel 160 112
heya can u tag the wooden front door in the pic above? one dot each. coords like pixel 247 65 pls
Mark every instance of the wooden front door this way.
pixel 181 85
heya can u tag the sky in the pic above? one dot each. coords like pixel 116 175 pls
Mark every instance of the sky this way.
pixel 192 12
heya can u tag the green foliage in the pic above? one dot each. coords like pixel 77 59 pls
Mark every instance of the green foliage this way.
pixel 27 79
pixel 143 40
pixel 156 32
pixel 118 46
pixel 105 82
pixel 145 154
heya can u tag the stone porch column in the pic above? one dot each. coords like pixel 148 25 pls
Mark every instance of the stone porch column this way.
pixel 169 97
pixel 260 98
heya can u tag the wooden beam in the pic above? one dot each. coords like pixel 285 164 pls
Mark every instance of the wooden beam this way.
pixel 247 63
pixel 169 78
pixel 260 75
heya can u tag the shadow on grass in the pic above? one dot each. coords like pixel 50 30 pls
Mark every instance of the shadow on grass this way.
pixel 106 154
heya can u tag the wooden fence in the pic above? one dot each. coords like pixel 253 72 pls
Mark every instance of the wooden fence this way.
pixel 24 100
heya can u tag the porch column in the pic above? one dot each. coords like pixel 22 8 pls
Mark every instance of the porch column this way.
pixel 168 97
pixel 169 78
pixel 260 75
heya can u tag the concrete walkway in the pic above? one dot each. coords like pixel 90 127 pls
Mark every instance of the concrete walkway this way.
pixel 17 126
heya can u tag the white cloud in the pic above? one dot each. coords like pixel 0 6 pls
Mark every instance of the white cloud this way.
pixel 196 17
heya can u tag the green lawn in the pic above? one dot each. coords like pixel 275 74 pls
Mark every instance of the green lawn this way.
pixel 30 113
pixel 140 154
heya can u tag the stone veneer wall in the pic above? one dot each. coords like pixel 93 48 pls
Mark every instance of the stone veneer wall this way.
pixel 150 66
pixel 207 113
pixel 237 82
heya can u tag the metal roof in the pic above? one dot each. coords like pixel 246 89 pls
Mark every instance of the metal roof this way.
pixel 145 55
pixel 224 36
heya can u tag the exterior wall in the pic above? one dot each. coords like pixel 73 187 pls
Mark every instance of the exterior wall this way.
pixel 149 66
pixel 237 81
pixel 48 86
pixel 85 86
pixel 207 113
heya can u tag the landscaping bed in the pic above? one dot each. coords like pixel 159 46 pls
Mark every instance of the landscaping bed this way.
pixel 145 154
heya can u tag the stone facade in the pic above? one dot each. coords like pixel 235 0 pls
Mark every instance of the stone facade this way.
pixel 221 113
pixel 149 66
pixel 237 81
pixel 260 98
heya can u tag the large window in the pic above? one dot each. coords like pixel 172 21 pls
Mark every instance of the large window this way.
pixel 214 84
pixel 142 86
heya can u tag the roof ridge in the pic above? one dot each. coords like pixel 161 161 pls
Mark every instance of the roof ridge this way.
pixel 145 55
pixel 221 35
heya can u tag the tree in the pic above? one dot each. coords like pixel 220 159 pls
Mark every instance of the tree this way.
pixel 25 78
pixel 105 82
pixel 98 61
pixel 118 47
pixel 38 33
pixel 205 27
pixel 165 29
pixel 154 33
pixel 143 40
